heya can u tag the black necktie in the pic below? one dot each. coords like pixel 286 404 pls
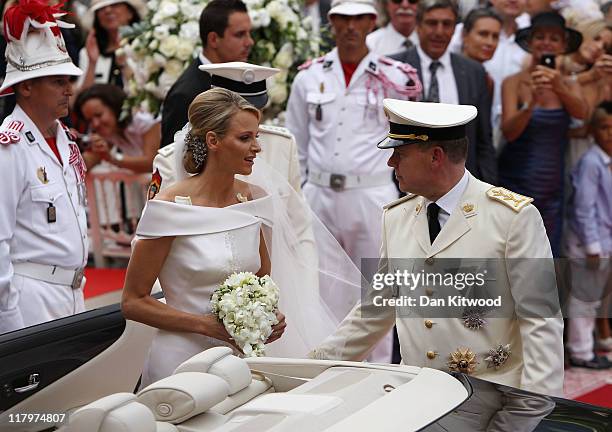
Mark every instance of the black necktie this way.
pixel 433 210
pixel 407 43
pixel 433 95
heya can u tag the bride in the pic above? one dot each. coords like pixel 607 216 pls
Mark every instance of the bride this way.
pixel 187 235
pixel 210 224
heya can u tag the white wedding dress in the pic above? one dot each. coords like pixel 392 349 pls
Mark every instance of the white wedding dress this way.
pixel 210 244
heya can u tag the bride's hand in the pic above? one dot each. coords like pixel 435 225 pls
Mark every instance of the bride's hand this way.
pixel 278 329
pixel 216 329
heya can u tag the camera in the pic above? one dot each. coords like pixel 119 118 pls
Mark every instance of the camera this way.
pixel 548 60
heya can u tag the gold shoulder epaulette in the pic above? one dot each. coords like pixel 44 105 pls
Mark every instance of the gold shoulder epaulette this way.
pixel 513 200
pixel 276 130
pixel 399 201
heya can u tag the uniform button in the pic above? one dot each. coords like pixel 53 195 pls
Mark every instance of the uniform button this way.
pixel 336 154
pixel 343 109
pixel 429 261
pixel 428 323
pixel 431 355
pixel 340 123
pixel 338 139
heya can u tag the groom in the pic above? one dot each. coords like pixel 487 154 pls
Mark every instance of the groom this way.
pixel 449 214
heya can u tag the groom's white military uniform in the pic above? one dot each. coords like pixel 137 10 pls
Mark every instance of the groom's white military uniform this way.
pixel 479 221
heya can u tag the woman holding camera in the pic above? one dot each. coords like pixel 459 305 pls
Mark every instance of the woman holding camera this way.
pixel 537 106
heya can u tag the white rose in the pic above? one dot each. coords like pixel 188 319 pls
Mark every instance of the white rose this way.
pixel 169 46
pixel 165 81
pixel 161 31
pixel 301 33
pixel 185 50
pixel 275 9
pixel 174 68
pixel 264 17
pixel 278 94
pixel 160 60
pixel 191 11
pixel 167 9
pixel 190 31
pixel 284 58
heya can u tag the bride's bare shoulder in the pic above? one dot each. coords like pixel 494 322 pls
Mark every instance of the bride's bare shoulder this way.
pixel 171 192
pixel 249 190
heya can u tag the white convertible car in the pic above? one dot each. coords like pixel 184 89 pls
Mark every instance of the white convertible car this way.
pixel 79 374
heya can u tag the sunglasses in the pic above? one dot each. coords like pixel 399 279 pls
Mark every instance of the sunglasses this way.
pixel 400 1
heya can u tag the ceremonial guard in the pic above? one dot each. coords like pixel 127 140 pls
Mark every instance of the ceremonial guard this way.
pixel 335 112
pixel 43 234
pixel 448 214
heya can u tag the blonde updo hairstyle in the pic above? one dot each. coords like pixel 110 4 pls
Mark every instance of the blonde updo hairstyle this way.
pixel 211 111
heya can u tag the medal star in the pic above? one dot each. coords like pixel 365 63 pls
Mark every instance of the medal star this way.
pixel 498 356
pixel 462 360
pixel 473 319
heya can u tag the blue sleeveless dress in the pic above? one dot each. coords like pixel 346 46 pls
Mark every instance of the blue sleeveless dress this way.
pixel 533 165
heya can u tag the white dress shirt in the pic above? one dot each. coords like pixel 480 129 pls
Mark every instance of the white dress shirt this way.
pixel 449 201
pixel 386 40
pixel 446 78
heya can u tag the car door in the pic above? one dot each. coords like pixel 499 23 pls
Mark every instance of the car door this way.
pixel 58 366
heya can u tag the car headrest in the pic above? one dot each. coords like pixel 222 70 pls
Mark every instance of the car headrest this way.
pixel 179 397
pixel 219 361
pixel 118 412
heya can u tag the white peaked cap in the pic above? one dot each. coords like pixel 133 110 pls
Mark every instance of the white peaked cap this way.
pixel 352 8
pixel 420 122
pixel 248 80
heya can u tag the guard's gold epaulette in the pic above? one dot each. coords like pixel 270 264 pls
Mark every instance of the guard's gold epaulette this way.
pixel 513 200
pixel 166 151
pixel 276 130
pixel 399 201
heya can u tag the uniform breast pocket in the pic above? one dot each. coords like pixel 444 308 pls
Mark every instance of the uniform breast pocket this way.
pixel 50 210
pixel 370 107
pixel 320 107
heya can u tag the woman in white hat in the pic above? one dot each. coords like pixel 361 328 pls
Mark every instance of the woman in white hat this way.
pixel 98 58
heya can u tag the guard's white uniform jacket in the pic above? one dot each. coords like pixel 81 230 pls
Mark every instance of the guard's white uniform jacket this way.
pixel 33 182
pixel 337 128
pixel 489 223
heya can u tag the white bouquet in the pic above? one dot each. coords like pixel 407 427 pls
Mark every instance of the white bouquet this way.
pixel 247 304
pixel 163 44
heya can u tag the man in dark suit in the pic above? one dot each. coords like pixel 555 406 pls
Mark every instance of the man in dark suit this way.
pixel 225 30
pixel 453 78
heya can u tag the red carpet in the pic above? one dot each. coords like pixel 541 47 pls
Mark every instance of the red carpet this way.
pixel 103 280
pixel 602 396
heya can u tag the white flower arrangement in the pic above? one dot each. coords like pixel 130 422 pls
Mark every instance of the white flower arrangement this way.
pixel 161 46
pixel 247 304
